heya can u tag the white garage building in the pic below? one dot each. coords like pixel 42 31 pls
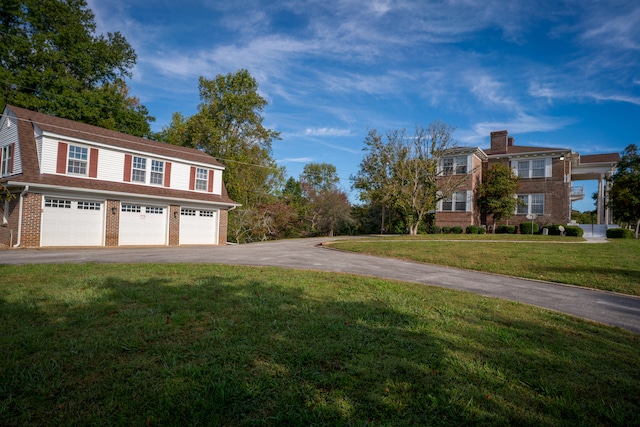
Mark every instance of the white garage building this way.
pixel 80 185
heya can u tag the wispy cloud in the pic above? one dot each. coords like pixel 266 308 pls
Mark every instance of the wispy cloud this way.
pixel 330 132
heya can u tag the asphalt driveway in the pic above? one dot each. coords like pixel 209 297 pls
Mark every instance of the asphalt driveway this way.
pixel 599 306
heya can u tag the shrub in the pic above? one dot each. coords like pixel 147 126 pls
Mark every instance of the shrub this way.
pixel 525 228
pixel 482 230
pixel 456 230
pixel 619 233
pixel 471 229
pixel 506 229
pixel 446 230
pixel 433 229
pixel 574 230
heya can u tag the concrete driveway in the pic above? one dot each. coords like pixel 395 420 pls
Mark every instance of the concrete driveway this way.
pixel 599 306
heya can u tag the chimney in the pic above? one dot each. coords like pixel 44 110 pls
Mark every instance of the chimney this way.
pixel 510 142
pixel 499 141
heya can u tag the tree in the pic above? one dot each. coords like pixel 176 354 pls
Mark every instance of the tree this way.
pixel 228 126
pixel 496 195
pixel 52 62
pixel 403 171
pixel 624 197
pixel 328 206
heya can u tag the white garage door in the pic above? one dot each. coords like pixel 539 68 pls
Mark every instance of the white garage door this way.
pixel 67 222
pixel 198 227
pixel 142 225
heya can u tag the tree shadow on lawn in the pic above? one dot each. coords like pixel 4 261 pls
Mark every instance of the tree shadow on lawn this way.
pixel 219 349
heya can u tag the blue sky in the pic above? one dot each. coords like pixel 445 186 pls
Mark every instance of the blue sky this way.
pixel 553 73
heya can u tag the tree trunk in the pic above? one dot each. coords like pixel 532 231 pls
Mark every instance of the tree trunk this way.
pixel 637 228
pixel 413 229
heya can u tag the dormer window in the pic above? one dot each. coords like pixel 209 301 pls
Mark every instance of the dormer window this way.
pixel 77 162
pixel 139 171
pixel 7 158
pixel 202 176
pixel 157 172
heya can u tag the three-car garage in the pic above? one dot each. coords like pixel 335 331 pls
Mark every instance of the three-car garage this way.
pixel 74 222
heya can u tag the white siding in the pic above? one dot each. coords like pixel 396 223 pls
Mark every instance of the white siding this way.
pixel 180 173
pixel 217 182
pixel 49 155
pixel 110 165
pixel 8 136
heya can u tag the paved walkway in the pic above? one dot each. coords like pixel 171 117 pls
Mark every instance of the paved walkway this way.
pixel 604 307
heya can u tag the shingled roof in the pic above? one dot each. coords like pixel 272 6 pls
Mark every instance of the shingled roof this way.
pixel 69 128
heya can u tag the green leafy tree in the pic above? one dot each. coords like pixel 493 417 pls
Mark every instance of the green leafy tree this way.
pixel 328 207
pixel 624 197
pixel 401 171
pixel 53 62
pixel 228 126
pixel 496 195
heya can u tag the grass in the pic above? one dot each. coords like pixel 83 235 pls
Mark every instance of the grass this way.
pixel 612 266
pixel 161 345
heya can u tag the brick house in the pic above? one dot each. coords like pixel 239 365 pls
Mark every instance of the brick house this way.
pixel 81 185
pixel 546 181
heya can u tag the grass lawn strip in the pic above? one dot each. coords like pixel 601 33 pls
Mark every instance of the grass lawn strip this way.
pixel 227 345
pixel 612 267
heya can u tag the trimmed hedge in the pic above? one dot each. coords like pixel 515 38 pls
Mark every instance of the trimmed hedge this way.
pixel 471 229
pixel 506 229
pixel 620 233
pixel 554 230
pixel 456 230
pixel 433 229
pixel 574 230
pixel 525 228
pixel 482 230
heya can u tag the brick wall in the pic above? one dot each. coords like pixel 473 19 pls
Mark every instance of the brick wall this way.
pixel 31 218
pixel 174 225
pixel 9 231
pixel 113 223
pixel 224 224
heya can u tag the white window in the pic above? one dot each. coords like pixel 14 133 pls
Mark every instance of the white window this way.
pixel 206 213
pixel 457 202
pixel 188 212
pixel 153 210
pixel 7 154
pixel 454 165
pixel 131 208
pixel 157 172
pixel 532 168
pixel 57 203
pixel 531 204
pixel 139 170
pixel 202 176
pixel 89 206
pixel 77 163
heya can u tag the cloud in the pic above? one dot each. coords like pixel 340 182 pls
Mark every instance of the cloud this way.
pixel 326 132
pixel 521 124
pixel 296 160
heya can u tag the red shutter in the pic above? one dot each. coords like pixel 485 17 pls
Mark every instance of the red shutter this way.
pixel 13 157
pixel 210 188
pixel 127 167
pixel 192 178
pixel 61 165
pixel 167 174
pixel 93 163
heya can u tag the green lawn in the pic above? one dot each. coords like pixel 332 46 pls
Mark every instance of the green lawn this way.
pixel 161 345
pixel 613 266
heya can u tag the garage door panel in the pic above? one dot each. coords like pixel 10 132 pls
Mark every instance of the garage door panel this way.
pixel 198 226
pixel 68 222
pixel 143 225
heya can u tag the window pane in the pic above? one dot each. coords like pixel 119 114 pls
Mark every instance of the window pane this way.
pixel 523 169
pixel 201 179
pixel 139 173
pixel 447 205
pixel 537 204
pixel 76 152
pixel 523 208
pixel 461 201
pixel 461 165
pixel 447 165
pixel 537 170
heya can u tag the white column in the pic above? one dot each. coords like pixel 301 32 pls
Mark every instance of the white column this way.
pixel 600 203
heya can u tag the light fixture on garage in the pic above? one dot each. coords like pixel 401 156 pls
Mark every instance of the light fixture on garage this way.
pixel 175 214
pixel 113 210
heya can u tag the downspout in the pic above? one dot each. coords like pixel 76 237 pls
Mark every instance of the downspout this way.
pixel 26 188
